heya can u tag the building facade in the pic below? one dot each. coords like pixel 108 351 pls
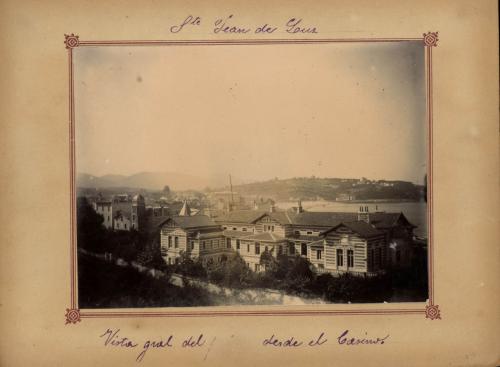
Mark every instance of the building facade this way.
pixel 195 236
pixel 360 243
pixel 125 213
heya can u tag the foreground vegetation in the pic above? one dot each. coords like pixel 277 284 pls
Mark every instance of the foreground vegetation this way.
pixel 295 276
pixel 106 285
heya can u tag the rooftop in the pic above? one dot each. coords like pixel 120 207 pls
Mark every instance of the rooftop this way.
pixel 312 219
pixel 265 237
pixel 195 221
pixel 237 234
pixel 363 229
pixel 240 216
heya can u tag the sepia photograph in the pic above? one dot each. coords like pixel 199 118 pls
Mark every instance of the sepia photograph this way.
pixel 264 174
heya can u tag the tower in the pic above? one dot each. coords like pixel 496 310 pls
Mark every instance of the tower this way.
pixel 186 210
pixel 138 212
pixel 363 214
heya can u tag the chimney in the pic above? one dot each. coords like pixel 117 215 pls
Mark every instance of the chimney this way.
pixel 272 208
pixel 363 214
pixel 299 207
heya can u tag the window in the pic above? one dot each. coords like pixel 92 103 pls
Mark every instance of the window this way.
pixel 297 233
pixel 192 244
pixel 303 249
pixel 257 248
pixel 176 261
pixel 109 218
pixel 350 258
pixel 224 227
pixel 340 257
pixel 228 243
pixel 248 247
pixel 257 267
pixel 244 229
pixel 237 244
pixel 291 249
pixel 234 228
pixel 125 225
pixel 272 229
pixel 203 245
pixel 169 261
pixel 169 241
pixel 176 241
pixel 309 232
pixel 318 254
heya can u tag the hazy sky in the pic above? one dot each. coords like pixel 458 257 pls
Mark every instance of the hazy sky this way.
pixel 257 112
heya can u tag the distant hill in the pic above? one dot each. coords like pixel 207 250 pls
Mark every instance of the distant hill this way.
pixel 149 181
pixel 312 188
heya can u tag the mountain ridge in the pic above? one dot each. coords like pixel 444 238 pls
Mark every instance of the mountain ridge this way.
pixel 148 180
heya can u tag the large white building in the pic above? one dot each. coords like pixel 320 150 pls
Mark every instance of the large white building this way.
pixel 125 214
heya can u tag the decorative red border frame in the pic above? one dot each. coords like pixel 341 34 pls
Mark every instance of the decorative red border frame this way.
pixel 74 315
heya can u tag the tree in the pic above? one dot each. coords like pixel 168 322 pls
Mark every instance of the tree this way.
pixel 166 191
pixel 190 267
pixel 233 272
pixel 299 275
pixel 267 260
pixel 321 283
pixel 91 234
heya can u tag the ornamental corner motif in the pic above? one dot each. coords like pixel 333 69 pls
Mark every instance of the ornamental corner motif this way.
pixel 431 39
pixel 71 41
pixel 432 312
pixel 72 316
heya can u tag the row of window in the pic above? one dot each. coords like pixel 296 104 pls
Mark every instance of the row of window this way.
pixel 124 225
pixel 340 257
pixel 350 258
pixel 175 239
pixel 268 228
pixel 375 256
pixel 244 229
pixel 204 244
pixel 256 267
pixel 309 233
pixel 212 244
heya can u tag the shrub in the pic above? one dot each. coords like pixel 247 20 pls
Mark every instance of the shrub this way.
pixel 190 267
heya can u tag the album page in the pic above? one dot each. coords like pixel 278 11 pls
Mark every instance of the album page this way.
pixel 231 183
